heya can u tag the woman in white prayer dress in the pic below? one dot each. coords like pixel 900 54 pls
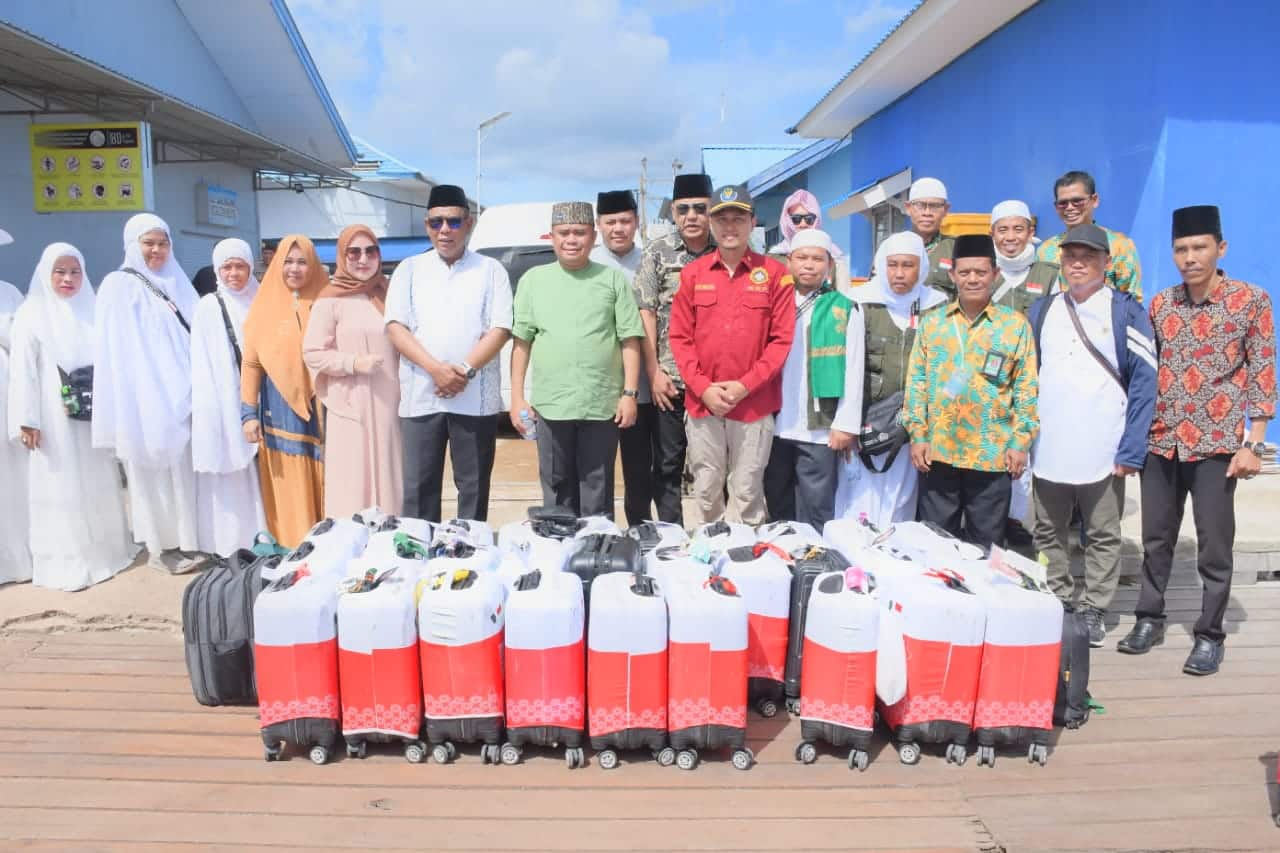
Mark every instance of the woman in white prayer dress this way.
pixel 78 532
pixel 15 556
pixel 142 390
pixel 229 495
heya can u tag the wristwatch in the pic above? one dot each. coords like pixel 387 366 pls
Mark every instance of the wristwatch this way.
pixel 471 371
pixel 627 392
pixel 1254 447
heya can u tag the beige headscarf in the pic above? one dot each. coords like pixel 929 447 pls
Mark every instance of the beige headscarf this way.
pixel 343 283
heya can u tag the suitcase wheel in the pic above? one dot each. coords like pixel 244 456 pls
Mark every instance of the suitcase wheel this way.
pixel 958 755
pixel 271 753
pixel 574 757
pixel 354 750
pixel 510 754
pixel 767 708
pixel 858 759
pixel 490 753
pixel 743 759
pixel 443 753
pixel 319 754
pixel 987 755
pixel 1038 753
pixel 793 705
pixel 909 753
pixel 607 759
pixel 665 756
pixel 806 753
pixel 687 759
pixel 415 752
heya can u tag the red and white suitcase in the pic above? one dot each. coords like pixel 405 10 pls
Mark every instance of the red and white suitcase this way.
pixel 791 536
pixel 673 565
pixel 627 668
pixel 657 534
pixel 943 624
pixel 707 671
pixel 763 578
pixel 326 549
pixel 378 672
pixel 546 666
pixel 723 535
pixel 461 620
pixel 479 532
pixel 838 668
pixel 295 658
pixel 531 550
pixel 450 552
pixel 1018 681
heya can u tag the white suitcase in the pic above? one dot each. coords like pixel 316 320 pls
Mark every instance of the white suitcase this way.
pixel 723 535
pixel 791 536
pixel 326 549
pixel 764 581
pixel 479 532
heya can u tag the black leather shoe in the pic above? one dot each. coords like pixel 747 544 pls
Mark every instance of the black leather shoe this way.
pixel 1206 656
pixel 1145 634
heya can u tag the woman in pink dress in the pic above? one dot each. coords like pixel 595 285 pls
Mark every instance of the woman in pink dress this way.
pixel 356 371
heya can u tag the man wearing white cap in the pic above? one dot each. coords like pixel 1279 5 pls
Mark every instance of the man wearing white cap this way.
pixel 821 390
pixel 927 205
pixel 15 557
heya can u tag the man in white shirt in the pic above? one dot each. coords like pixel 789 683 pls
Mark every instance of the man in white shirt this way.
pixel 617 220
pixel 449 312
pixel 821 390
pixel 1097 397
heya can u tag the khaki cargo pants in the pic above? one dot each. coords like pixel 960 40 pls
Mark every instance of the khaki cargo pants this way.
pixel 727 452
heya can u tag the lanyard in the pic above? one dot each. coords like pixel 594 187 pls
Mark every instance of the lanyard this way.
pixel 809 300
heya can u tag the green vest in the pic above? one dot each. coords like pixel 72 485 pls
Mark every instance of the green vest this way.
pixel 825 359
pixel 888 350
pixel 1042 278
pixel 940 266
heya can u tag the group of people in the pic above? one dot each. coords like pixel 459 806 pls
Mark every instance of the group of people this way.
pixel 974 382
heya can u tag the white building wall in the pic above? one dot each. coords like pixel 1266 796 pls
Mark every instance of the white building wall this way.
pixel 388 209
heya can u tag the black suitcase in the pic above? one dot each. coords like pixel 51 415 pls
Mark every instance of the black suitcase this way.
pixel 1071 706
pixel 217 627
pixel 804 571
pixel 554 522
pixel 601 553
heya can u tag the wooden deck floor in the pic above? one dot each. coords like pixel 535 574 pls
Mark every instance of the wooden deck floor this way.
pixel 103 748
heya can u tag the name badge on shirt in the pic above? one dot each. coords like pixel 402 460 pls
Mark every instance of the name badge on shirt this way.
pixel 993 364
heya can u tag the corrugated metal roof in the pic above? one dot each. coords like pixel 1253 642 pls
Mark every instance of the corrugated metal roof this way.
pixel 374 164
pixel 793 165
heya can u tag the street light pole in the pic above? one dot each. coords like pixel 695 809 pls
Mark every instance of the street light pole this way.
pixel 480 129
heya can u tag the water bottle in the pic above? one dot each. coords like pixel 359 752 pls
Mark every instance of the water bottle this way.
pixel 529 424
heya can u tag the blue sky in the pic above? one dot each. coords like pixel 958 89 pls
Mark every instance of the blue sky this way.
pixel 592 86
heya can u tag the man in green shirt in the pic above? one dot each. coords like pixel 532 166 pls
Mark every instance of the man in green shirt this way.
pixel 927 206
pixel 578 322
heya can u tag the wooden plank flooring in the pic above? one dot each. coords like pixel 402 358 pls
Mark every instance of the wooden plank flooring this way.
pixel 102 748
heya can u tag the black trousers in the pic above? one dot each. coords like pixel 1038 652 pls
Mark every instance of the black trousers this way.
pixel 472 443
pixel 800 482
pixel 575 465
pixel 1165 486
pixel 640 449
pixel 972 505
pixel 668 462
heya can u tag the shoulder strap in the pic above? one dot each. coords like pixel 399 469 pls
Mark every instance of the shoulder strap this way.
pixel 231 333
pixel 1088 344
pixel 159 295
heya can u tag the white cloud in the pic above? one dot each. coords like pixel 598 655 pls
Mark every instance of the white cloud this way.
pixel 874 19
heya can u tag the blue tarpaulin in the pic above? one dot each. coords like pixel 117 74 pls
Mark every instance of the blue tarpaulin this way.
pixel 394 249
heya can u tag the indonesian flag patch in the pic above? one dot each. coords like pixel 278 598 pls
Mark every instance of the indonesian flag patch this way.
pixel 1033 287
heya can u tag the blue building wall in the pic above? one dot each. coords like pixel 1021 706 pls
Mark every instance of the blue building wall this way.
pixel 1165 102
pixel 828 179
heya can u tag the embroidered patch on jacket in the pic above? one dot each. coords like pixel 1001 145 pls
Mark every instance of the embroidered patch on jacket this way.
pixel 704 285
pixel 759 276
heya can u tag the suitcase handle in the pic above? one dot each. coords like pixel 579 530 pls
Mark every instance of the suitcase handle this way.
pixel 302 551
pixel 322 527
pixel 389 523
pixel 644 585
pixel 529 581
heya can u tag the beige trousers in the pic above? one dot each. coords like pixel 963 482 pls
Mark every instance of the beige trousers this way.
pixel 727 452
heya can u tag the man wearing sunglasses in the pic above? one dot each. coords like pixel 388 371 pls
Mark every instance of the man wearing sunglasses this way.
pixel 449 313
pixel 656 283
pixel 1075 197
pixel 927 205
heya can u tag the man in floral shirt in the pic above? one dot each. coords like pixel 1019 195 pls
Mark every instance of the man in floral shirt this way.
pixel 1075 197
pixel 970 405
pixel 1217 350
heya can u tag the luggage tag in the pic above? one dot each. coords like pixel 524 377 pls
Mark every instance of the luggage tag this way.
pixel 409 547
pixel 950 578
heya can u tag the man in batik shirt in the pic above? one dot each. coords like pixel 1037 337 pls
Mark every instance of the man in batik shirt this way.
pixel 1217 357
pixel 1075 197
pixel 970 405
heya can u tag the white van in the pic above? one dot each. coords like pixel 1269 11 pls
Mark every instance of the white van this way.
pixel 518 236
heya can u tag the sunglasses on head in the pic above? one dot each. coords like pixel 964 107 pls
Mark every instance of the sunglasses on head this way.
pixel 353 252
pixel 435 223
pixel 803 218
pixel 684 209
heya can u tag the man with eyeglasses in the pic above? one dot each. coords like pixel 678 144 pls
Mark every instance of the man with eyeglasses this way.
pixel 577 322
pixel 449 313
pixel 732 324
pixel 927 205
pixel 1075 197
pixel 656 283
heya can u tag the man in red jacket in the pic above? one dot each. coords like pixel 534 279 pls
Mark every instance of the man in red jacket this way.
pixel 732 322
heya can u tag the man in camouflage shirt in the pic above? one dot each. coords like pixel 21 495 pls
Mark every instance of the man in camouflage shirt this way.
pixel 656 283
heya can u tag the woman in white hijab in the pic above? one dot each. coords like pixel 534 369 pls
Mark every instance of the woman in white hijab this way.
pixel 78 531
pixel 229 496
pixel 892 304
pixel 15 557
pixel 142 389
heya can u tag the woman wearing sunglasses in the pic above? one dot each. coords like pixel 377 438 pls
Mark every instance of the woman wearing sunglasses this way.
pixel 356 371
pixel 800 212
